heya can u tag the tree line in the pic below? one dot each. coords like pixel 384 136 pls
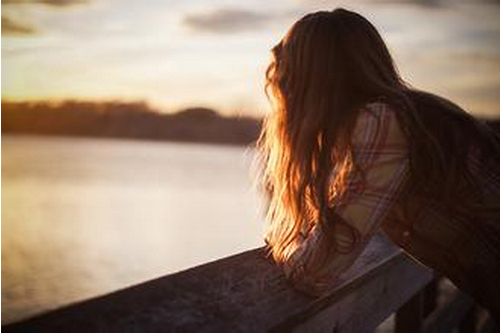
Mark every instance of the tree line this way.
pixel 126 120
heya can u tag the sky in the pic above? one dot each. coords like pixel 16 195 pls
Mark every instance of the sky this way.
pixel 178 54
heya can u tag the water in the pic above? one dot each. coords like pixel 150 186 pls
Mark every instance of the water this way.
pixel 83 217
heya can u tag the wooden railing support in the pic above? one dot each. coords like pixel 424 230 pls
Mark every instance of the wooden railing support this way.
pixel 410 316
pixel 468 322
pixel 431 297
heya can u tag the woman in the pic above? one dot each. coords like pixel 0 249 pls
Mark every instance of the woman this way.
pixel 350 148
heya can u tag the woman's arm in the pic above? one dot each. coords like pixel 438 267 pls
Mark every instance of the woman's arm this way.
pixel 380 150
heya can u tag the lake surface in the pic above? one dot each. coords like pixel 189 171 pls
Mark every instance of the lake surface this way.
pixel 84 217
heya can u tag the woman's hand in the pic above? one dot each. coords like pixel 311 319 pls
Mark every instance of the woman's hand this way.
pixel 305 267
pixel 312 285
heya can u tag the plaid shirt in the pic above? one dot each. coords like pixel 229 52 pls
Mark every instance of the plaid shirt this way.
pixel 380 150
pixel 466 250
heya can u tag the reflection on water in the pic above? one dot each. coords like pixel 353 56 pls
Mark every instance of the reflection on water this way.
pixel 82 217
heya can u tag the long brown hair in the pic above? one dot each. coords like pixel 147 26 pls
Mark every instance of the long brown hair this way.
pixel 328 65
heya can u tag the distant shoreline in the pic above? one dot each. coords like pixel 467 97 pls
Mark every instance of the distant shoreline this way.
pixel 132 121
pixel 135 121
pixel 30 136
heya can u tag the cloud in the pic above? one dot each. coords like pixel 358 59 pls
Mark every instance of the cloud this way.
pixel 227 20
pixel 430 4
pixel 437 4
pixel 10 27
pixel 55 3
pixel 14 27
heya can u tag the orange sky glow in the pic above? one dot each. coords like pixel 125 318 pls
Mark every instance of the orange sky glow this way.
pixel 176 54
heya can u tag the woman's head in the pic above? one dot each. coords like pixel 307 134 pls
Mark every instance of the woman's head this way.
pixel 338 52
pixel 326 67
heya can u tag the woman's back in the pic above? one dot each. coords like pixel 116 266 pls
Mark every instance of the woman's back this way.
pixel 462 244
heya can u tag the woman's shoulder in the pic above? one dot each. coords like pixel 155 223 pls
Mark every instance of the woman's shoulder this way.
pixel 377 109
pixel 378 119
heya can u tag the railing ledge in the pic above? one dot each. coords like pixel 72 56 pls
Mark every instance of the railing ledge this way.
pixel 246 293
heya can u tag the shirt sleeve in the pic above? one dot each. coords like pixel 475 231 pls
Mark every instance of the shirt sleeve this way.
pixel 381 154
